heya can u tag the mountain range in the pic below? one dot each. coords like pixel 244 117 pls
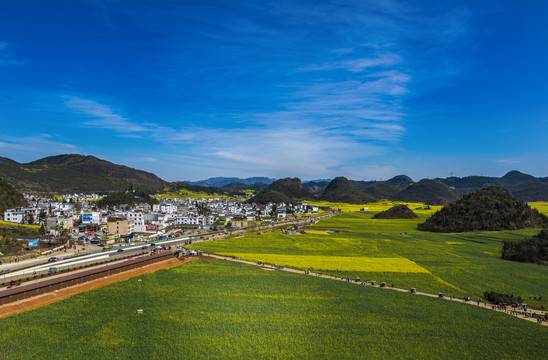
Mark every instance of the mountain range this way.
pixel 75 173
pixel 79 173
pixel 224 181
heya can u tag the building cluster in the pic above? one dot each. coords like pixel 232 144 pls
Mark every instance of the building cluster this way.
pixel 78 215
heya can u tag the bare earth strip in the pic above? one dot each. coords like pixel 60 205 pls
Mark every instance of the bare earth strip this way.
pixel 51 297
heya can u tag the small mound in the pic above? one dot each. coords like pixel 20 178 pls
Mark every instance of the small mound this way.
pixel 396 212
pixel 488 209
pixel 533 250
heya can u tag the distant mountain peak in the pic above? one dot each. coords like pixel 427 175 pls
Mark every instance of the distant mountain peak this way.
pixel 223 181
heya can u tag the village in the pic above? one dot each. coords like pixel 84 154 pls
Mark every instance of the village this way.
pixel 76 217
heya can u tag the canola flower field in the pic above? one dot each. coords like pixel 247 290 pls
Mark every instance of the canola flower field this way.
pixel 465 264
pixel 337 263
pixel 210 309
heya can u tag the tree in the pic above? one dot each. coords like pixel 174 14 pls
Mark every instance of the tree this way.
pixel 30 219
pixel 203 209
pixel 42 216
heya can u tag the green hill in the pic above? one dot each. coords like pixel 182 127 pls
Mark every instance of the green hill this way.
pixel 532 250
pixel 396 212
pixel 400 181
pixel 340 189
pixel 488 209
pixel 9 197
pixel 523 186
pixel 76 173
pixel 431 192
pixel 315 187
pixel 283 190
pixel 376 189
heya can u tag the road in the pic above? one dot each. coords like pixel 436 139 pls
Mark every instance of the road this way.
pixel 88 254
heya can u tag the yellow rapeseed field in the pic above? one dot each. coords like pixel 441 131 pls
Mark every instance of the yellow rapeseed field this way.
pixel 379 206
pixel 316 232
pixel 337 263
pixel 540 206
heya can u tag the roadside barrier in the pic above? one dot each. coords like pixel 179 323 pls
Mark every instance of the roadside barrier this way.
pixel 7 279
pixel 29 290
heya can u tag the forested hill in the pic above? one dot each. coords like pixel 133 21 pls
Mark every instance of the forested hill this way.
pixel 76 173
pixel 488 209
pixel 9 197
pixel 283 190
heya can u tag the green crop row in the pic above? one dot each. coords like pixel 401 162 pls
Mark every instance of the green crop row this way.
pixel 464 264
pixel 222 310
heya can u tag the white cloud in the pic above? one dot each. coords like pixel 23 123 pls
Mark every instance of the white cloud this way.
pixel 360 64
pixel 7 58
pixel 34 147
pixel 507 161
pixel 103 116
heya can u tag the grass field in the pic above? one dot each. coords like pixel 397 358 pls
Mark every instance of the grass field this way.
pixel 222 310
pixel 466 264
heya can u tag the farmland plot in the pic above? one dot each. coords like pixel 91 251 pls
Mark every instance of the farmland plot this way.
pixel 466 264
pixel 222 310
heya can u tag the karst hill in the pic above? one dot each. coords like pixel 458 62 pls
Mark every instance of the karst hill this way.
pixel 488 209
pixel 283 190
pixel 396 212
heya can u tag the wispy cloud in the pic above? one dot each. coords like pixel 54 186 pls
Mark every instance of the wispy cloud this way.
pixel 33 147
pixel 360 64
pixel 99 115
pixel 340 74
pixel 102 116
pixel 508 161
pixel 7 58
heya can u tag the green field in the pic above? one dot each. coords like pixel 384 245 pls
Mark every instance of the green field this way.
pixel 223 310
pixel 466 264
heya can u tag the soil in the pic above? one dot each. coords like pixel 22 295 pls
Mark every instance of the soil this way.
pixel 51 297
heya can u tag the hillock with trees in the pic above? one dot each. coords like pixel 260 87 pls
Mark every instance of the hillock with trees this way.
pixel 431 192
pixel 283 190
pixel 532 250
pixel 396 212
pixel 9 197
pixel 488 209
pixel 340 189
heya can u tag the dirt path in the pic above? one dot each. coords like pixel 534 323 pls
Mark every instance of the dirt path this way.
pixel 51 297
pixel 40 300
pixel 472 303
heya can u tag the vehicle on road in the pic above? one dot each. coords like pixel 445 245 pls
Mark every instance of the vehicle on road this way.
pixel 178 253
pixel 120 250
pixel 144 247
pixel 54 259
pixel 5 271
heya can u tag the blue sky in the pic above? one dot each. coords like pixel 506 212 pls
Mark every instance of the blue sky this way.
pixel 314 89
